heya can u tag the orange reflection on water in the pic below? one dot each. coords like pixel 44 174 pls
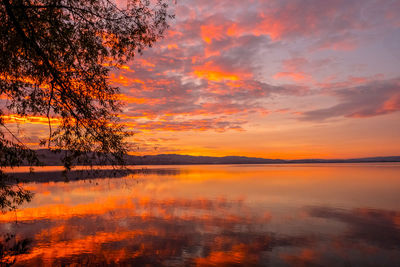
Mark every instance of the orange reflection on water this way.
pixel 296 215
pixel 65 248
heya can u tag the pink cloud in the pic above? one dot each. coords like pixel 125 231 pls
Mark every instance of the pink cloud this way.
pixel 294 69
pixel 216 124
pixel 367 100
pixel 295 76
pixel 208 65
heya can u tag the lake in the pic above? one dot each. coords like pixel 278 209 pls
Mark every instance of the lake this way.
pixel 213 215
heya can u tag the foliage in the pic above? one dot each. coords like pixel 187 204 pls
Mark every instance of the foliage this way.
pixel 10 247
pixel 55 59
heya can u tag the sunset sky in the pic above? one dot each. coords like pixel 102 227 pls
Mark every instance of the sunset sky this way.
pixel 274 79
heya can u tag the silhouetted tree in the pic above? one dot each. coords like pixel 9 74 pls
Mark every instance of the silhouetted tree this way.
pixel 55 59
pixel 10 248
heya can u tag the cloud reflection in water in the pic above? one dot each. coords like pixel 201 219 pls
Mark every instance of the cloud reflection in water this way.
pixel 137 221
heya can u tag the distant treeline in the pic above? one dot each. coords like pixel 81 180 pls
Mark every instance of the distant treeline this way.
pixel 54 159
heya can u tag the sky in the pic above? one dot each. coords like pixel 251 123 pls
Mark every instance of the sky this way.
pixel 274 79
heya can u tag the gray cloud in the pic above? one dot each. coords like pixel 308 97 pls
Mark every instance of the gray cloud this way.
pixel 368 100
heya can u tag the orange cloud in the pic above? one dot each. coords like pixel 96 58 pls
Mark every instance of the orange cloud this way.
pixel 216 76
pixel 14 118
pixel 123 80
pixel 210 32
pixel 138 100
pixel 217 73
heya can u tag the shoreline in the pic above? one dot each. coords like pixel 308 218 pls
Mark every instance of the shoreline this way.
pixel 47 174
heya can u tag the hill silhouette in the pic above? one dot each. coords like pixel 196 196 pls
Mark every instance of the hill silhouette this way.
pixel 54 159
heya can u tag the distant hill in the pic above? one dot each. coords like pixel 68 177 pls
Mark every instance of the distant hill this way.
pixel 52 159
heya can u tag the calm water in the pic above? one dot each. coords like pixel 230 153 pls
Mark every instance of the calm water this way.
pixel 268 215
